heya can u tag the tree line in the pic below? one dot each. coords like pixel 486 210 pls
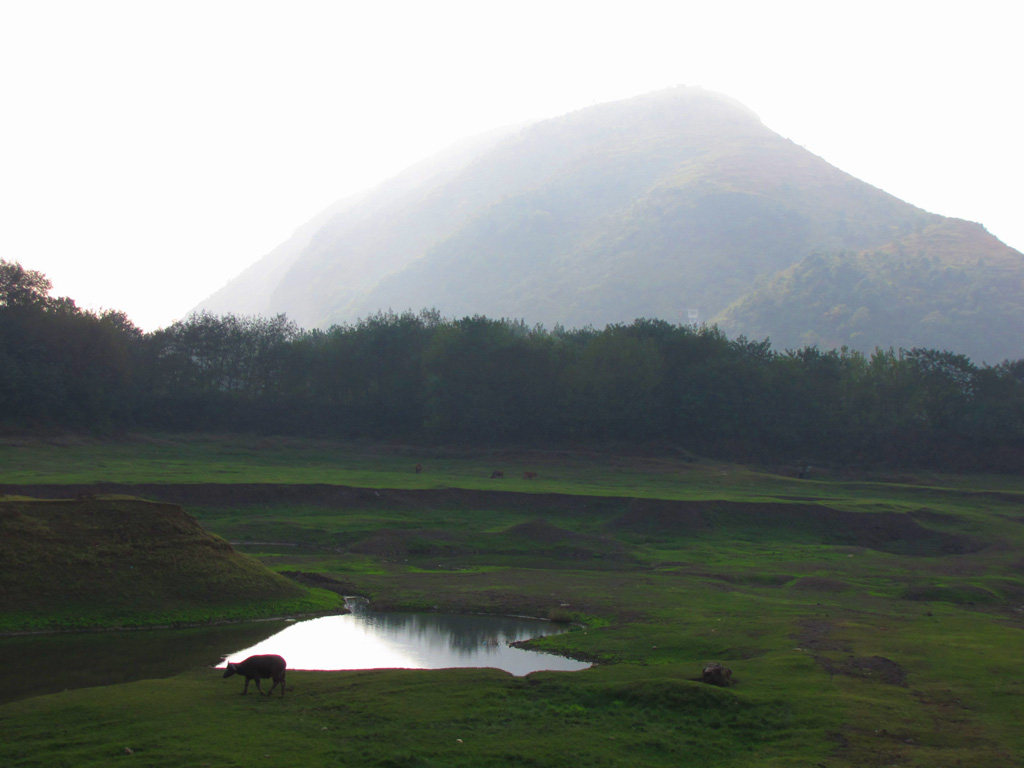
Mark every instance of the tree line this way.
pixel 427 378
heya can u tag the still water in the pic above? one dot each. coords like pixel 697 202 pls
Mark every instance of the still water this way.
pixel 364 640
pixel 360 640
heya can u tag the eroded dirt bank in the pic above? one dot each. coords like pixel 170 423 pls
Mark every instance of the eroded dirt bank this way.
pixel 906 534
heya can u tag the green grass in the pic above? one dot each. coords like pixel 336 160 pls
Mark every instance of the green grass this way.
pixel 848 649
pixel 608 716
pixel 228 459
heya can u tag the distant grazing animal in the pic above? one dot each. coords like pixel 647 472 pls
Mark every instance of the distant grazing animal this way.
pixel 715 674
pixel 418 468
pixel 256 667
pixel 497 473
pixel 529 475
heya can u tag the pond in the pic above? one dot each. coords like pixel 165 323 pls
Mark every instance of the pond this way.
pixel 360 640
pixel 365 640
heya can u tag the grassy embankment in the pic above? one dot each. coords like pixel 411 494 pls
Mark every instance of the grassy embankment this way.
pixel 867 621
pixel 117 561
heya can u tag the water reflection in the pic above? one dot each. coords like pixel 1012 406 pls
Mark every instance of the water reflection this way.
pixel 364 640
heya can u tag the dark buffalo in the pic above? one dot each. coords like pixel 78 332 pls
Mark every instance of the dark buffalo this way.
pixel 257 667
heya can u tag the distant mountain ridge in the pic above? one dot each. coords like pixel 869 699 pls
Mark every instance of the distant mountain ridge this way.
pixel 657 206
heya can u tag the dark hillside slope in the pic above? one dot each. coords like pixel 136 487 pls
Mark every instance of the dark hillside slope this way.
pixel 121 557
pixel 657 206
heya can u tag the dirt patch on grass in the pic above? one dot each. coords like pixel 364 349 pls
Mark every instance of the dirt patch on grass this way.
pixel 877 668
pixel 557 540
pixel 958 594
pixel 747 578
pixel 884 531
pixel 400 543
pixel 542 532
pixel 821 584
pixel 817 635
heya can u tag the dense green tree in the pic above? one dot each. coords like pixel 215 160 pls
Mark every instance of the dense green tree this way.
pixel 614 387
pixel 489 380
pixel 423 377
pixel 995 414
pixel 944 386
pixel 20 287
pixel 217 370
pixel 60 366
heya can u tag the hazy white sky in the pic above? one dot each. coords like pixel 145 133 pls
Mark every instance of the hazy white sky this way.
pixel 150 149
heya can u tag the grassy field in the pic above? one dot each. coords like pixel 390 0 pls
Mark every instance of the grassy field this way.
pixel 869 620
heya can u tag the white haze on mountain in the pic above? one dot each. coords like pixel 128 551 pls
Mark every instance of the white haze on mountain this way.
pixel 149 152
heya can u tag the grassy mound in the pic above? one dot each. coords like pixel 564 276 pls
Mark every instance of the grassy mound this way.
pixel 115 561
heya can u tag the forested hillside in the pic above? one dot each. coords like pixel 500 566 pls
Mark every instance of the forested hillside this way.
pixel 660 206
pixel 921 290
pixel 423 377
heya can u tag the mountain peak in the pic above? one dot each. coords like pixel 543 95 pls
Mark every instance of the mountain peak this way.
pixel 661 205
